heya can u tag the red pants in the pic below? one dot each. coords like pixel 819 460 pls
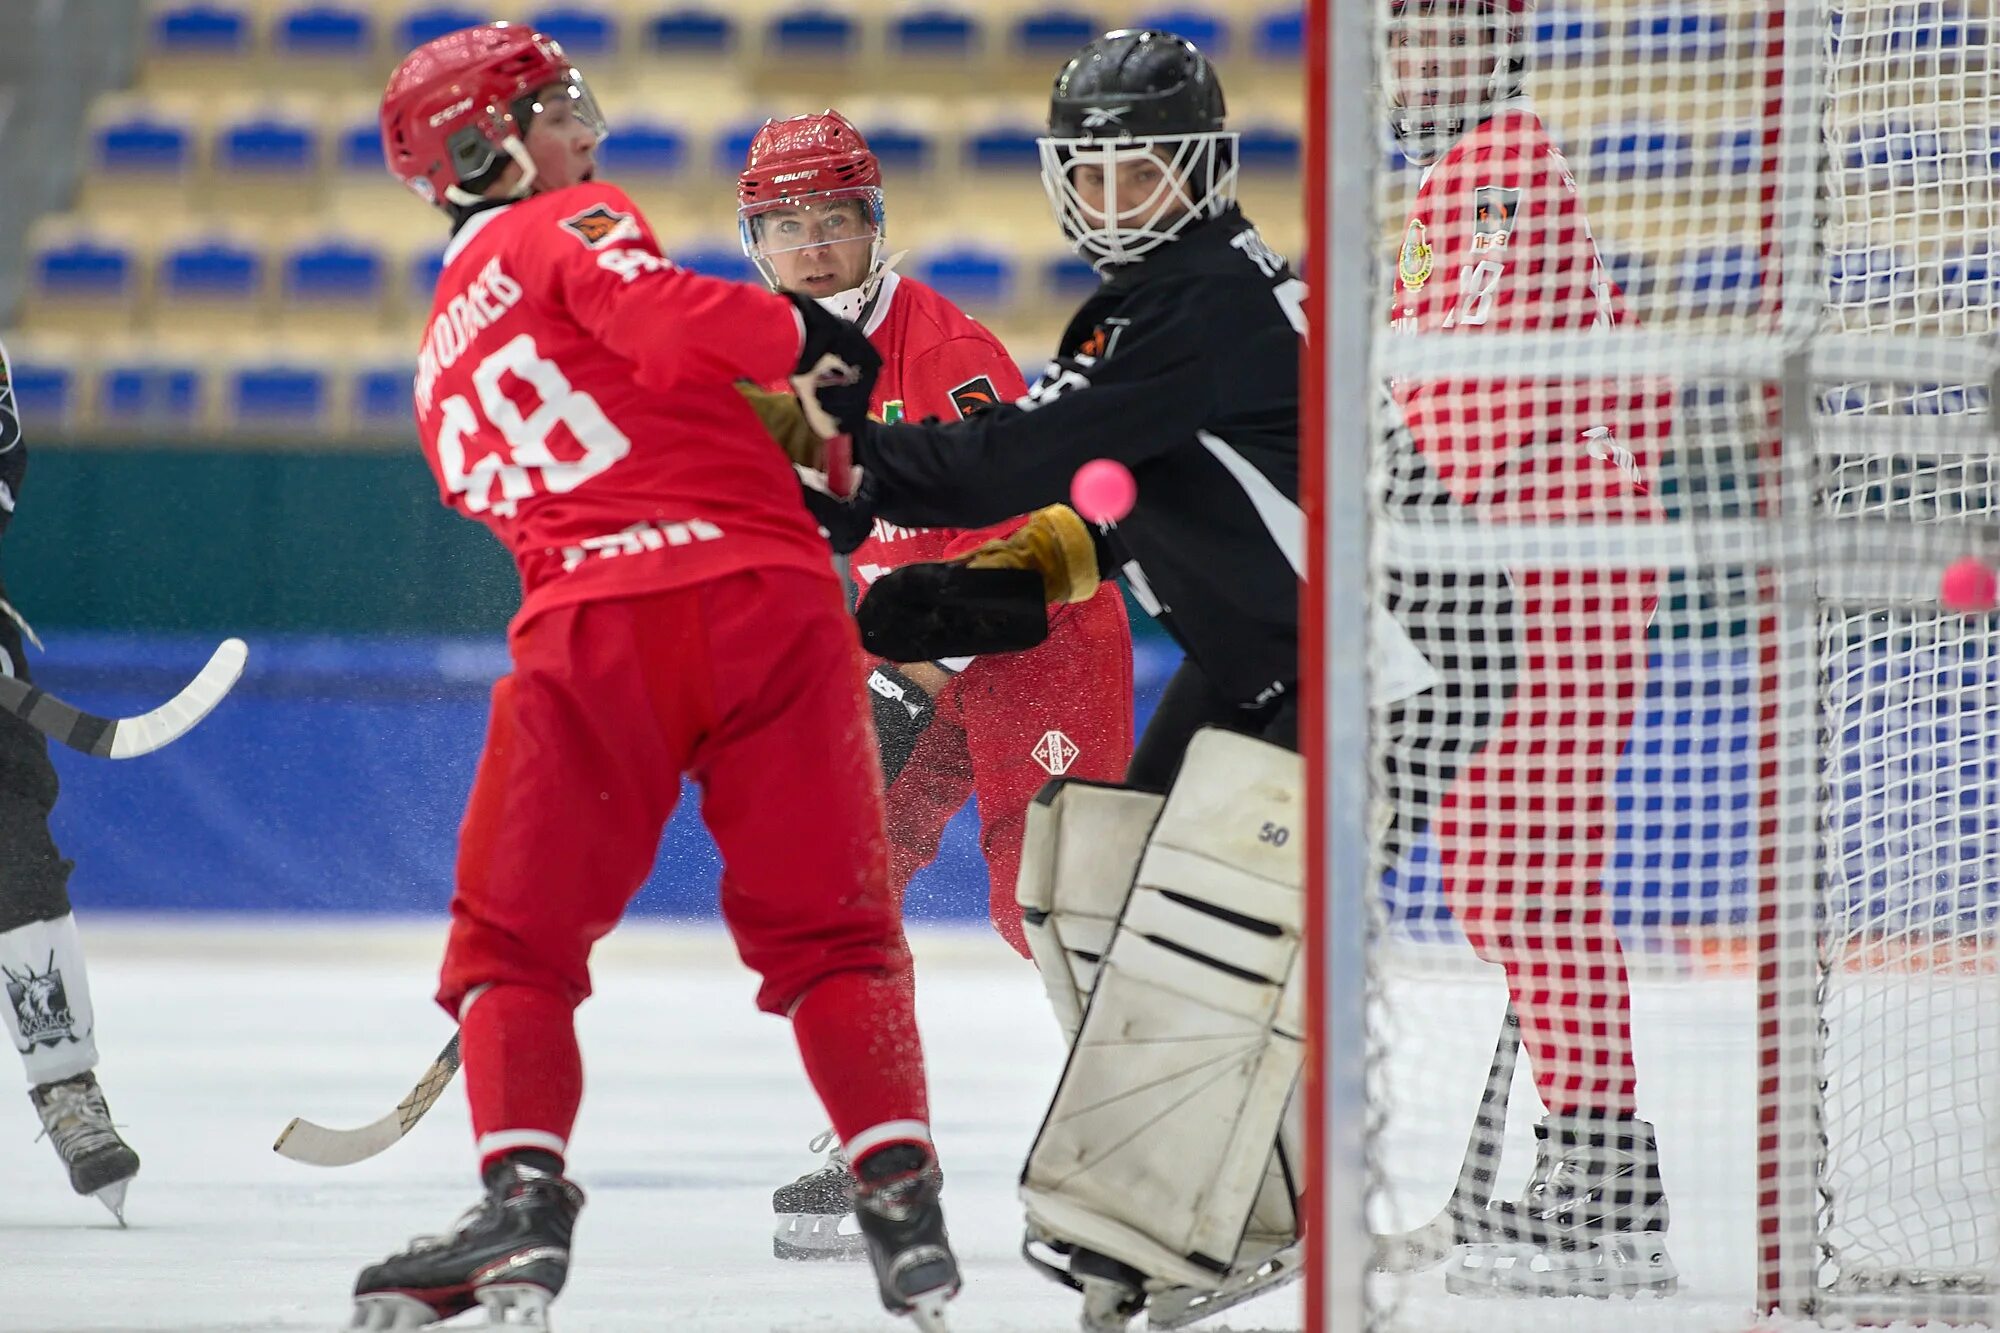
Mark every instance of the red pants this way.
pixel 1524 830
pixel 1003 728
pixel 744 682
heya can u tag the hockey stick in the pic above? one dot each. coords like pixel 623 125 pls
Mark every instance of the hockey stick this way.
pixel 127 737
pixel 316 1145
pixel 1462 1219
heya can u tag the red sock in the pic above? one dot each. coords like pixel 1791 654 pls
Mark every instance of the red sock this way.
pixel 523 1072
pixel 857 1032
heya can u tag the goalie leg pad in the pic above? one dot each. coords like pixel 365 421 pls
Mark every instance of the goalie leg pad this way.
pixel 1159 1142
pixel 1079 853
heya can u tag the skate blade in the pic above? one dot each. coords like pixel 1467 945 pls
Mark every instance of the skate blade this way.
pixel 1633 1264
pixel 1108 1307
pixel 112 1196
pixel 1178 1307
pixel 515 1306
pixel 818 1238
pixel 389 1313
pixel 927 1311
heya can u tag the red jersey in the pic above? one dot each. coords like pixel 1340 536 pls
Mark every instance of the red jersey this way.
pixel 937 361
pixel 1498 240
pixel 574 393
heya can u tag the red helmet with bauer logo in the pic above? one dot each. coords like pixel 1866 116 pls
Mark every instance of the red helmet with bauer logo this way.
pixel 456 108
pixel 807 162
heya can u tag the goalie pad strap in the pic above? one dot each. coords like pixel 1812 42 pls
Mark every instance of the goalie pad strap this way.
pixel 1158 1145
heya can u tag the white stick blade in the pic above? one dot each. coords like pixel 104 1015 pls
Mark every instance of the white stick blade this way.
pixel 174 718
pixel 316 1145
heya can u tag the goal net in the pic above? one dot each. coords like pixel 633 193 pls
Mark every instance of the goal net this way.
pixel 1680 345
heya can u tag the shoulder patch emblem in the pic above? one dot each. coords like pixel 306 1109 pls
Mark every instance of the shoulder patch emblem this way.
pixel 600 225
pixel 1414 265
pixel 974 396
pixel 1494 208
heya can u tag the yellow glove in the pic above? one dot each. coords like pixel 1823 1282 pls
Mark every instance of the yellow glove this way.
pixel 1056 544
pixel 785 421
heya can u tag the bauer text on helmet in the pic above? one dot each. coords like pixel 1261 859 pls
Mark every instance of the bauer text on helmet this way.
pixel 495 111
pixel 1450 65
pixel 1136 150
pixel 809 210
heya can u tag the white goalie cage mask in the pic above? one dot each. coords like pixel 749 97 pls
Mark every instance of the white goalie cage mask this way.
pixel 758 233
pixel 1197 180
pixel 1447 66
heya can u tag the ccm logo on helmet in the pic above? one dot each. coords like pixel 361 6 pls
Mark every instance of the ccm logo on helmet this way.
pixel 455 109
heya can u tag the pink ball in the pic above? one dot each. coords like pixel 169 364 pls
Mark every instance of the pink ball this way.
pixel 1968 586
pixel 1103 490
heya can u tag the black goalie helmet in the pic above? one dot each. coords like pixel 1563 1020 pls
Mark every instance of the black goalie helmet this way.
pixel 1150 102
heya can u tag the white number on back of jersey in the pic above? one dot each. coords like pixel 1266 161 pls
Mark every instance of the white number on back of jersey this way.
pixel 1476 285
pixel 528 453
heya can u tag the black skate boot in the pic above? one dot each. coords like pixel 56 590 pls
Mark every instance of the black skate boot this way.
pixel 76 1120
pixel 903 1225
pixel 1592 1222
pixel 816 1211
pixel 510 1254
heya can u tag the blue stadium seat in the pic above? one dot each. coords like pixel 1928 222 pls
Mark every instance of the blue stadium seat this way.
pixel 732 146
pixel 91 268
pixel 1739 149
pixel 422 25
pixel 1004 148
pixel 691 31
pixel 641 147
pixel 360 145
pixel 583 30
pixel 1678 34
pixel 717 259
pixel 148 393
pixel 141 142
pixel 277 394
pixel 1631 271
pixel 1205 28
pixel 903 150
pixel 933 33
pixel 382 397
pixel 1069 276
pixel 1281 36
pixel 969 274
pixel 812 31
pixel 322 31
pixel 1860 277
pixel 1051 32
pixel 267 145
pixel 1720 279
pixel 45 391
pixel 201 29
pixel 1562 39
pixel 1640 152
pixel 1269 148
pixel 211 268
pixel 425 269
pixel 333 269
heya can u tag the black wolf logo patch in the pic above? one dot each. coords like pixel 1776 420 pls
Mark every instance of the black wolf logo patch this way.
pixel 599 226
pixel 1493 210
pixel 41 1005
pixel 974 396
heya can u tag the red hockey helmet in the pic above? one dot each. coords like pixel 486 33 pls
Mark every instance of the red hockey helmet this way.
pixel 456 108
pixel 807 161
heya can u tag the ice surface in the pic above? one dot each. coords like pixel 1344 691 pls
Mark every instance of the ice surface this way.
pixel 213 1036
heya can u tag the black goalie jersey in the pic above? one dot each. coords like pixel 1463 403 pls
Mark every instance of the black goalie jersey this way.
pixel 1185 368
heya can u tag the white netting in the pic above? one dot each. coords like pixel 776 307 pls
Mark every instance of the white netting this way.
pixel 1712 787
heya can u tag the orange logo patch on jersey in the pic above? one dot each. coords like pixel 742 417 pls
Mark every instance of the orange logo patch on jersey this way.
pixel 1414 265
pixel 599 226
pixel 1493 211
pixel 974 396
pixel 1094 345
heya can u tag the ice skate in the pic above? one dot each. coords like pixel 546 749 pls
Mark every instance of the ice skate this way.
pixel 508 1255
pixel 902 1225
pixel 816 1212
pixel 76 1120
pixel 1592 1222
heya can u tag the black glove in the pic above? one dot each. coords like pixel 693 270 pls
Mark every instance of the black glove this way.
pixel 902 711
pixel 843 391
pixel 923 612
pixel 846 523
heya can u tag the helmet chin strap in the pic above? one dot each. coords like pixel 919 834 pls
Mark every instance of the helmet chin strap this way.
pixel 514 148
pixel 854 304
